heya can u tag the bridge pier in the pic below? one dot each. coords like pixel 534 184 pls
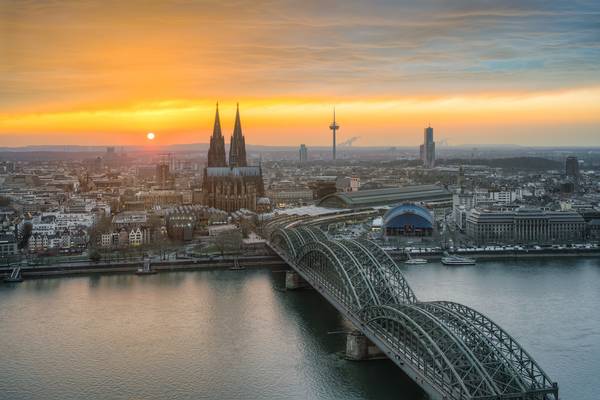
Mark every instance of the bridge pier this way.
pixel 294 281
pixel 359 347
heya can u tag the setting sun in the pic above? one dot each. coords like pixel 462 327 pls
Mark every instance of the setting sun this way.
pixel 150 136
pixel 109 74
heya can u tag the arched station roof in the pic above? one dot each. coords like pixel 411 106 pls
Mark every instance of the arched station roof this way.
pixel 386 197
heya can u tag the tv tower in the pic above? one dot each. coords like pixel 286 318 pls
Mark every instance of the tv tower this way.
pixel 334 127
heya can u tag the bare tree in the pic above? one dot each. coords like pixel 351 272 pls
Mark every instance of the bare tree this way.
pixel 102 225
pixel 27 228
pixel 228 241
pixel 247 225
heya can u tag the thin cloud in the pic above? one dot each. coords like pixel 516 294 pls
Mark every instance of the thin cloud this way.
pixel 59 56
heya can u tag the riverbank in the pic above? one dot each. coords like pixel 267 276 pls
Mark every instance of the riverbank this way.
pixel 502 255
pixel 86 268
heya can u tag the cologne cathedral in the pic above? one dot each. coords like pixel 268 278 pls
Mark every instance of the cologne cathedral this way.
pixel 232 186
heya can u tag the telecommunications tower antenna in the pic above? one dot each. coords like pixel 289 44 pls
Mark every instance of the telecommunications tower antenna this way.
pixel 334 127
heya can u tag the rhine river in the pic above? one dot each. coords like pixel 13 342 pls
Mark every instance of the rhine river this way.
pixel 232 335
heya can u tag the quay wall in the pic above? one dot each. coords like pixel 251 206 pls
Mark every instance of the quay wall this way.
pixel 501 255
pixel 132 266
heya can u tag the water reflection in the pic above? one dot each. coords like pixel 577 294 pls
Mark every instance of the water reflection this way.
pixel 232 335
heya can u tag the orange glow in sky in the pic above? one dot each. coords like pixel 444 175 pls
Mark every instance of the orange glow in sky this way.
pixel 99 73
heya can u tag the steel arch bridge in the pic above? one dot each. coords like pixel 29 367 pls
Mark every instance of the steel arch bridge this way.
pixel 450 350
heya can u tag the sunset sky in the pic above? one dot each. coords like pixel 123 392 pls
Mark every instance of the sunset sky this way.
pixel 107 72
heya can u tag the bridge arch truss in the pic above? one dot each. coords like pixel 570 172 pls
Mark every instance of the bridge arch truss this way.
pixel 453 349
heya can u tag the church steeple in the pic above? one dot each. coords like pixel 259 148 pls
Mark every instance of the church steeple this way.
pixel 217 127
pixel 216 151
pixel 237 147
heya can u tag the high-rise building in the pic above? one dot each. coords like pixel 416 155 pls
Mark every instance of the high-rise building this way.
pixel 427 149
pixel 572 167
pixel 163 175
pixel 98 165
pixel 460 180
pixel 303 153
pixel 110 157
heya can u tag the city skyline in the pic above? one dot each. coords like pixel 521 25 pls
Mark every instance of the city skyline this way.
pixel 175 174
pixel 518 73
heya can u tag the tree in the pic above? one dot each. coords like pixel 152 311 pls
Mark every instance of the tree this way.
pixel 228 241
pixel 27 228
pixel 154 224
pixel 95 256
pixel 102 225
pixel 247 225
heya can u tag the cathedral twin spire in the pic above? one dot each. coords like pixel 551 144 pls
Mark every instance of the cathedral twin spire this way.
pixel 237 147
pixel 216 151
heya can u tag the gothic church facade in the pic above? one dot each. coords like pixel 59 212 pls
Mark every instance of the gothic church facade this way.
pixel 234 185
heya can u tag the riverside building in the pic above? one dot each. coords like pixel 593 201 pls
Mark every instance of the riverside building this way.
pixel 524 226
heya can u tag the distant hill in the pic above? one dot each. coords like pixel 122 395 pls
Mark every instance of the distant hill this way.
pixel 522 163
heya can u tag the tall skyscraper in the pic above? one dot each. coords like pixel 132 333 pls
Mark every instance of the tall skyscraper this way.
pixel 110 158
pixel 427 149
pixel 572 167
pixel 334 127
pixel 460 180
pixel 163 175
pixel 303 153
pixel 237 147
pixel 216 151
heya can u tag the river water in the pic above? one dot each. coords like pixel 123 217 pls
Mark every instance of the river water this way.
pixel 232 335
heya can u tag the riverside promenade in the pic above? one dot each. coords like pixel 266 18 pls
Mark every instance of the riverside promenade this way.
pixel 131 266
pixel 499 255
